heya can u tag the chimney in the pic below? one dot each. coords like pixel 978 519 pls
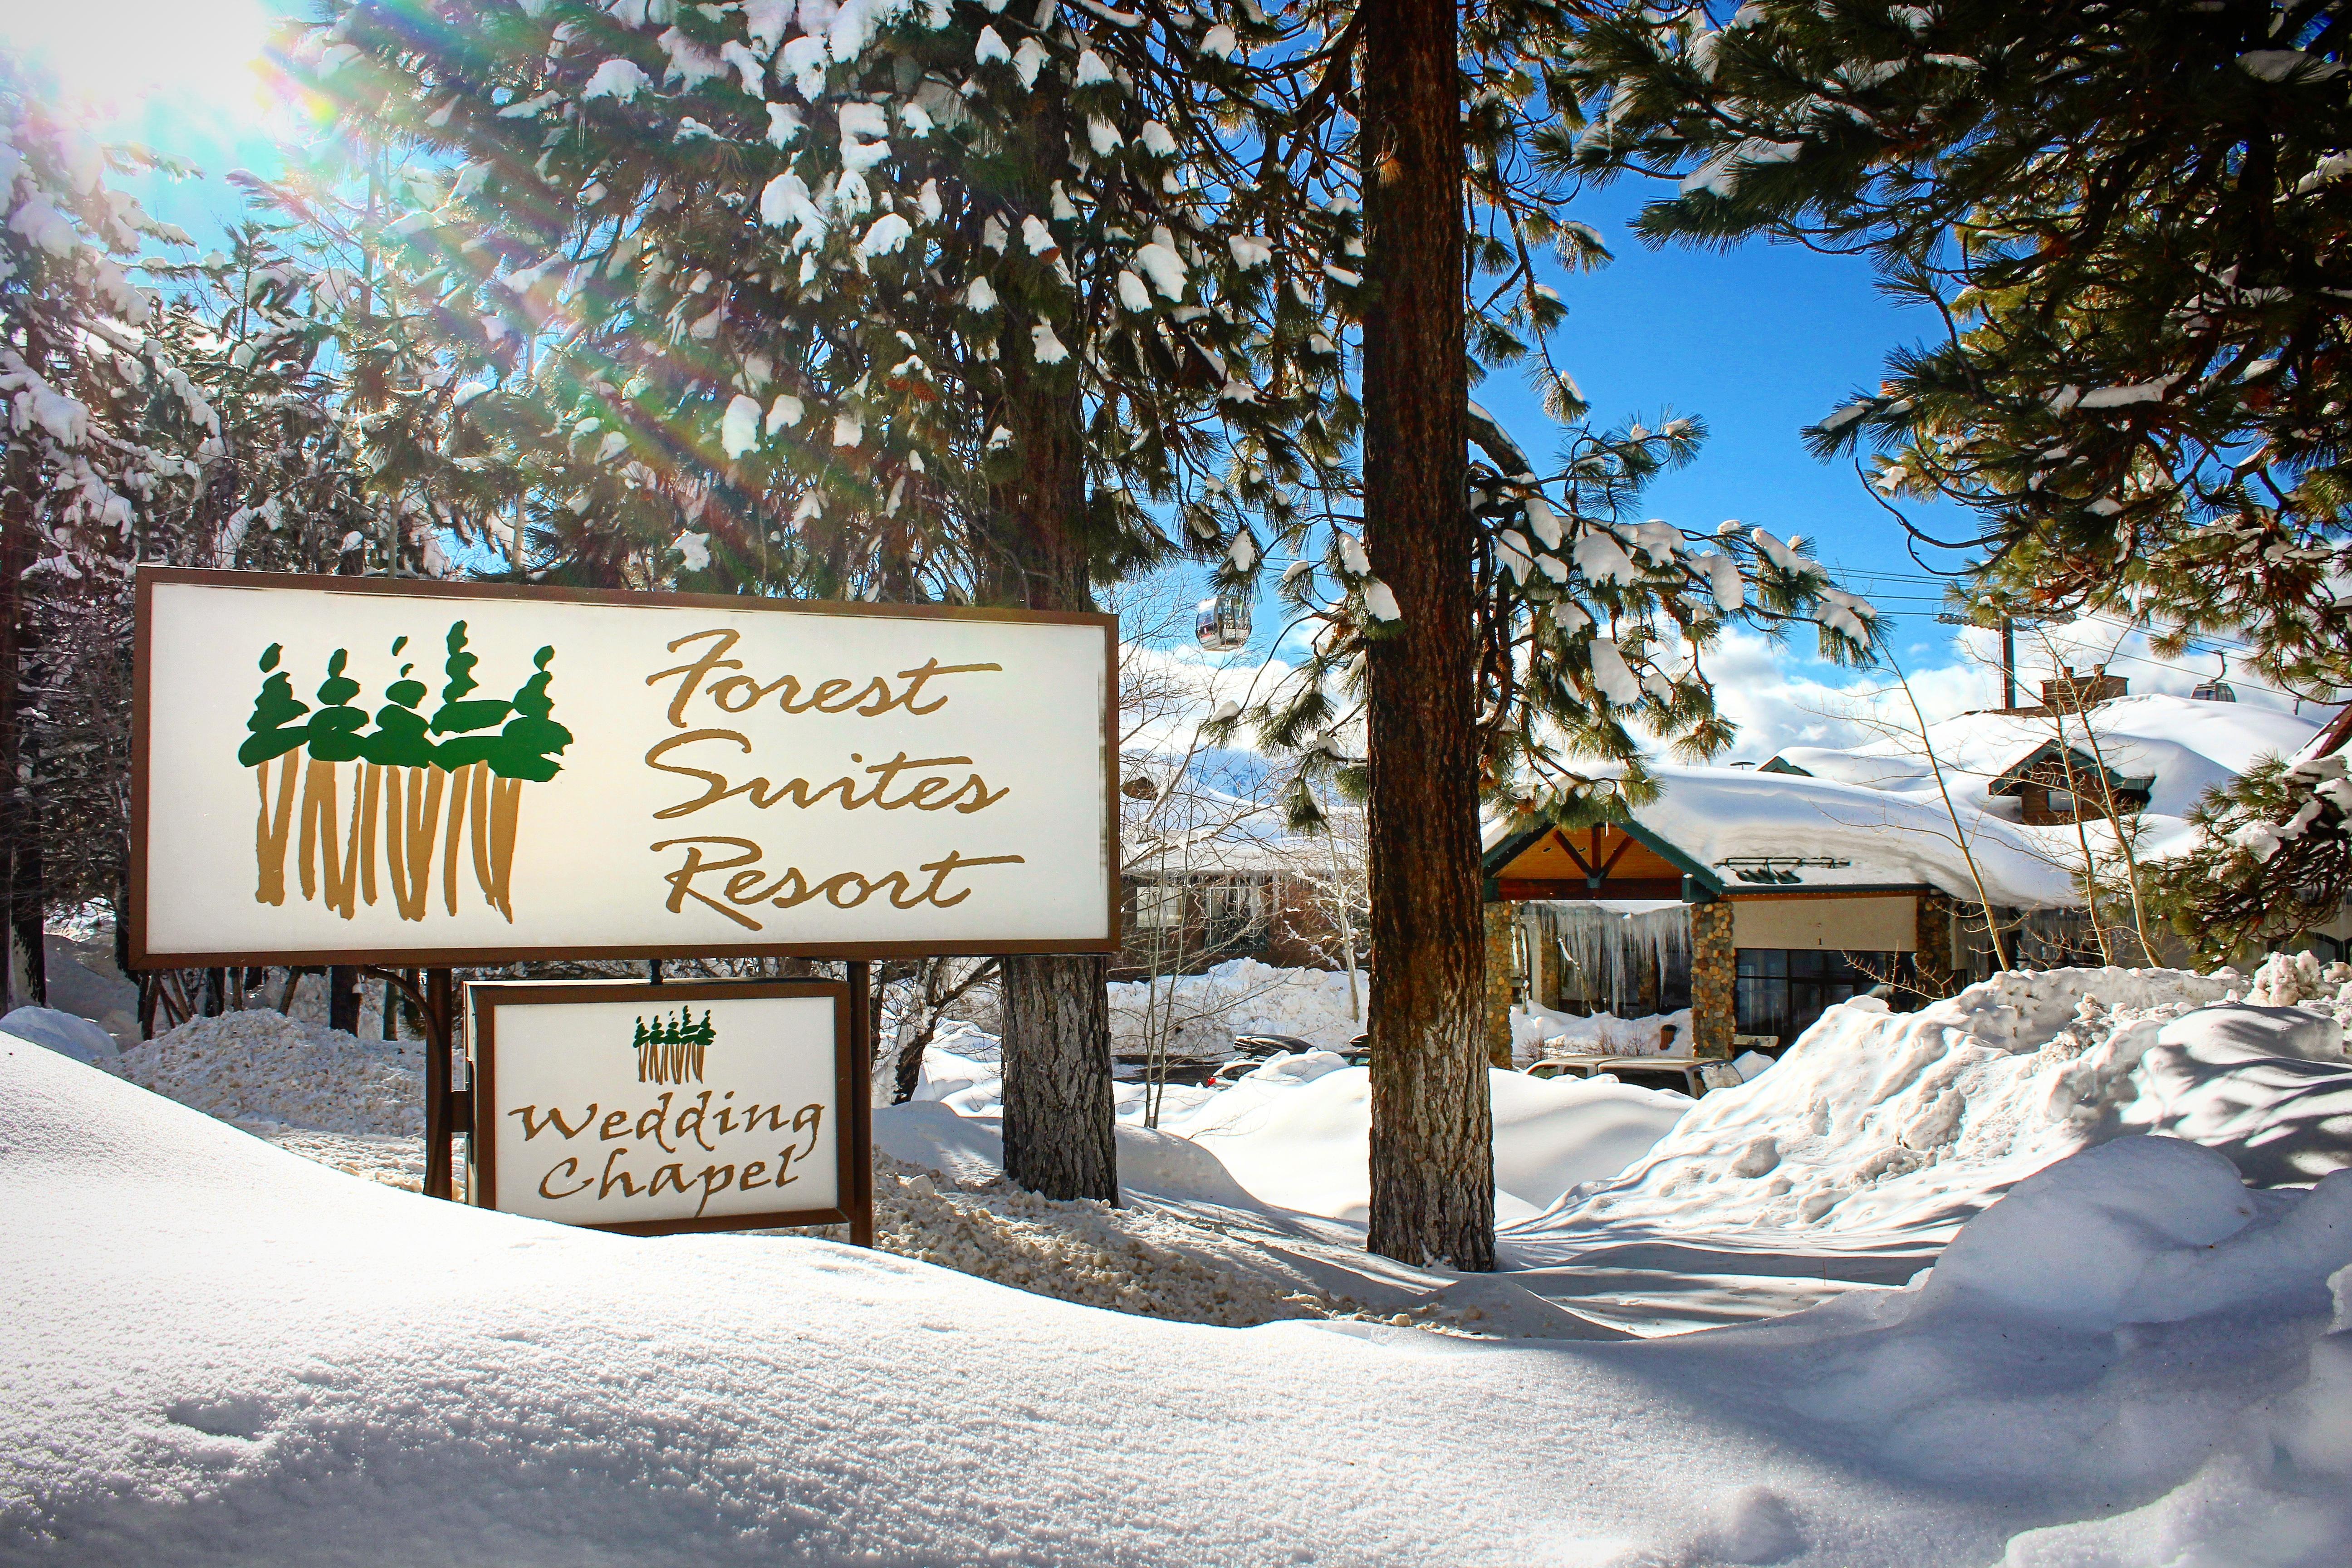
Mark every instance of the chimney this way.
pixel 2073 693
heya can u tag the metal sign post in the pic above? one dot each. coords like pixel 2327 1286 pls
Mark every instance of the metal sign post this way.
pixel 447 1108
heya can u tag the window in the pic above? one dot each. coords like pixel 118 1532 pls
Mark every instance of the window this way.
pixel 1159 908
pixel 1236 913
pixel 1784 991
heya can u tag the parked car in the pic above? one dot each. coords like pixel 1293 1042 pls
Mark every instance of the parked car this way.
pixel 1233 1072
pixel 1358 1052
pixel 1261 1047
pixel 1681 1074
pixel 1137 1068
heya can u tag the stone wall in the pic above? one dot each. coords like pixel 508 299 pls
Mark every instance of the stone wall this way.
pixel 1501 919
pixel 1544 953
pixel 1934 956
pixel 1714 981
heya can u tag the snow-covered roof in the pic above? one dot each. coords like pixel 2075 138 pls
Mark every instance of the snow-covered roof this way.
pixel 2187 744
pixel 1731 819
pixel 1872 816
pixel 1209 856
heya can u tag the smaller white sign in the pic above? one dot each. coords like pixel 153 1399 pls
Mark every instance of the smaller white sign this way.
pixel 660 1108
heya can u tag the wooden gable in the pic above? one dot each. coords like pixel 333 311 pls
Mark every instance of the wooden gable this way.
pixel 1604 861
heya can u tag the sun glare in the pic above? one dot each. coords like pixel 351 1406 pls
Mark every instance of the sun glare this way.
pixel 145 68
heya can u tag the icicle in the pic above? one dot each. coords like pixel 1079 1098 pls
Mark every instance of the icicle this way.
pixel 1605 953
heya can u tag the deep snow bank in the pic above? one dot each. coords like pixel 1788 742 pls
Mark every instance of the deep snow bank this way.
pixel 230 1355
pixel 259 1069
pixel 1884 1124
pixel 1295 1134
pixel 1306 1146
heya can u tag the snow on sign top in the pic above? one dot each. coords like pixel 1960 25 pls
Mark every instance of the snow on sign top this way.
pixel 651 1108
pixel 335 769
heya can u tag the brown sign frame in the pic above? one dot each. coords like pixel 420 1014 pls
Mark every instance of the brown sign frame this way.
pixel 148 577
pixel 853 1143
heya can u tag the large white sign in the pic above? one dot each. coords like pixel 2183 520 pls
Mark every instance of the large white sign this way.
pixel 654 1108
pixel 397 771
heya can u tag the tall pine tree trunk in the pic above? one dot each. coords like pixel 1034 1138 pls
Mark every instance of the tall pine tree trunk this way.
pixel 1058 1109
pixel 1433 1152
pixel 20 848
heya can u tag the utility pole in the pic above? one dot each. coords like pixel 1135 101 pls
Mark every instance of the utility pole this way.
pixel 2007 652
pixel 2008 662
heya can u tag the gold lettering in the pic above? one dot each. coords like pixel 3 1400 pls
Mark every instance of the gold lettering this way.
pixel 826 690
pixel 944 869
pixel 774 1113
pixel 689 1122
pixel 843 890
pixel 681 881
pixel 568 1167
pixel 715 659
pixel 616 1178
pixel 742 693
pixel 758 693
pixel 714 785
pixel 725 1175
pixel 921 674
pixel 972 794
pixel 555 1115
pixel 658 1119
pixel 973 786
pixel 810 1118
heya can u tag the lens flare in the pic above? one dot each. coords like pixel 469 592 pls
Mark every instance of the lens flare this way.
pixel 146 69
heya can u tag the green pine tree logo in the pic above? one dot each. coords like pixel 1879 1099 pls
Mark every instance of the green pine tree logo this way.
pixel 423 791
pixel 671 1049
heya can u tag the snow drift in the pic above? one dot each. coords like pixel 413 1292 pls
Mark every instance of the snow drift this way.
pixel 1538 1031
pixel 1882 1126
pixel 262 1070
pixel 230 1355
pixel 1295 1134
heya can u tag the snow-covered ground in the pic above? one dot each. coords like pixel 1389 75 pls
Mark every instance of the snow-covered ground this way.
pixel 1294 1135
pixel 1851 1163
pixel 356 1104
pixel 1199 1014
pixel 1845 1168
pixel 227 1354
pixel 1538 1031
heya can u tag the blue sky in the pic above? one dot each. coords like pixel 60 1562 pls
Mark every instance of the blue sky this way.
pixel 1758 342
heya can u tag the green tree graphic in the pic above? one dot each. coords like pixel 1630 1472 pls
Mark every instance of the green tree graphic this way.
pixel 400 739
pixel 275 733
pixel 467 784
pixel 526 747
pixel 335 727
pixel 458 716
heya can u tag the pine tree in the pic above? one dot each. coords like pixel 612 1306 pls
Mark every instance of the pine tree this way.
pixel 916 303
pixel 163 408
pixel 2133 221
pixel 1489 642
